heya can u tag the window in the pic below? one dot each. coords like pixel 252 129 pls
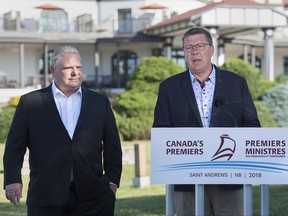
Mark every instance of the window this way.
pixel 257 60
pixel 54 21
pixel 123 64
pixel 177 56
pixel 124 21
pixel 40 78
pixel 84 23
pixel 286 65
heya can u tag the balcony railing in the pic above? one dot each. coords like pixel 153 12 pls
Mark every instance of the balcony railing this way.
pixel 127 26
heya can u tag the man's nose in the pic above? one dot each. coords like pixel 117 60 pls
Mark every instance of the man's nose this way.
pixel 74 71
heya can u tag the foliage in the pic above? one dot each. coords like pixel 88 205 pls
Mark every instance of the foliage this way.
pixel 276 100
pixel 6 115
pixel 13 102
pixel 265 85
pixel 250 73
pixel 282 78
pixel 257 87
pixel 131 103
pixel 150 72
pixel 134 107
pixel 135 128
pixel 264 115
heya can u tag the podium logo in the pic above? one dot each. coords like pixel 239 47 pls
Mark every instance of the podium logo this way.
pixel 226 149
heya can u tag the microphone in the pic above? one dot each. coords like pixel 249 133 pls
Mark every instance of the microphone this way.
pixel 219 102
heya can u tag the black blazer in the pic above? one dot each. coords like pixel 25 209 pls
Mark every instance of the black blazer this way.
pixel 232 107
pixel 38 126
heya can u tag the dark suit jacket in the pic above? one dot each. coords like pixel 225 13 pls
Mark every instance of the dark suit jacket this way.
pixel 38 126
pixel 177 107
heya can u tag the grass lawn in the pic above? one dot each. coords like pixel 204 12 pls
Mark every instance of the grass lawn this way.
pixel 150 201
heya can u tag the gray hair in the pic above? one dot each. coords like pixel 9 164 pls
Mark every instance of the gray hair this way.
pixel 194 31
pixel 60 51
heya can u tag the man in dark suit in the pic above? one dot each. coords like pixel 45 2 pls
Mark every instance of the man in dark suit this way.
pixel 75 155
pixel 205 96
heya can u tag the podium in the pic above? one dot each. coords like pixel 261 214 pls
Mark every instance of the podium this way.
pixel 219 156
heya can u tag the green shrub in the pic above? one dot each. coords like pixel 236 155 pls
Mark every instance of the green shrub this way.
pixel 150 72
pixel 136 117
pixel 266 85
pixel 250 73
pixel 134 107
pixel 276 100
pixel 13 102
pixel 264 115
pixel 135 128
pixel 6 116
pixel 282 78
pixel 257 87
pixel 132 103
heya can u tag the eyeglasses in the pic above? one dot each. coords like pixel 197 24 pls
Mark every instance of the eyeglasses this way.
pixel 198 47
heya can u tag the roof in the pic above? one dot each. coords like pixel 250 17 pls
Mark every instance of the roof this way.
pixel 49 7
pixel 153 6
pixel 231 18
pixel 199 11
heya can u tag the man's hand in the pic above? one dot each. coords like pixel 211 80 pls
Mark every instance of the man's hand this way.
pixel 13 192
pixel 113 187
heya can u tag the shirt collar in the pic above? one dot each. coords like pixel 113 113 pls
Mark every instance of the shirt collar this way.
pixel 212 76
pixel 57 91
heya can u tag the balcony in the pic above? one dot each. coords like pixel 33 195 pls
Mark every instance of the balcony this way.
pixel 83 23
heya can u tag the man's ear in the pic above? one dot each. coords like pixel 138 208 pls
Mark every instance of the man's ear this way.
pixel 212 50
pixel 52 71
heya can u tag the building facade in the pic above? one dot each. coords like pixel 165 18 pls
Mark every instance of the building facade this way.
pixel 113 36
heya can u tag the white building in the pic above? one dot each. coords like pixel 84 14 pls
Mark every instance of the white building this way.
pixel 112 36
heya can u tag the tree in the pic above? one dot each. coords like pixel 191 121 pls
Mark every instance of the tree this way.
pixel 134 107
pixel 248 72
pixel 257 86
pixel 276 100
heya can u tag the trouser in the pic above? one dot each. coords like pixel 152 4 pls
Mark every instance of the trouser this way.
pixel 218 202
pixel 103 205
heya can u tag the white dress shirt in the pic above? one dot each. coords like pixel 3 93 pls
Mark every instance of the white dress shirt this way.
pixel 204 96
pixel 68 108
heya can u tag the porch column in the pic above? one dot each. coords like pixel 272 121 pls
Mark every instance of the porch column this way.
pixel 246 53
pixel 168 48
pixel 22 65
pixel 221 53
pixel 253 56
pixel 269 54
pixel 214 34
pixel 118 75
pixel 96 61
pixel 46 66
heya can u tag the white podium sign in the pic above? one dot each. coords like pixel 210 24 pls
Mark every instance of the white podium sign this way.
pixel 219 155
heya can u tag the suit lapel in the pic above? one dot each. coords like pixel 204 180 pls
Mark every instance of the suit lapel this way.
pixel 83 111
pixel 187 86
pixel 219 81
pixel 218 88
pixel 49 101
